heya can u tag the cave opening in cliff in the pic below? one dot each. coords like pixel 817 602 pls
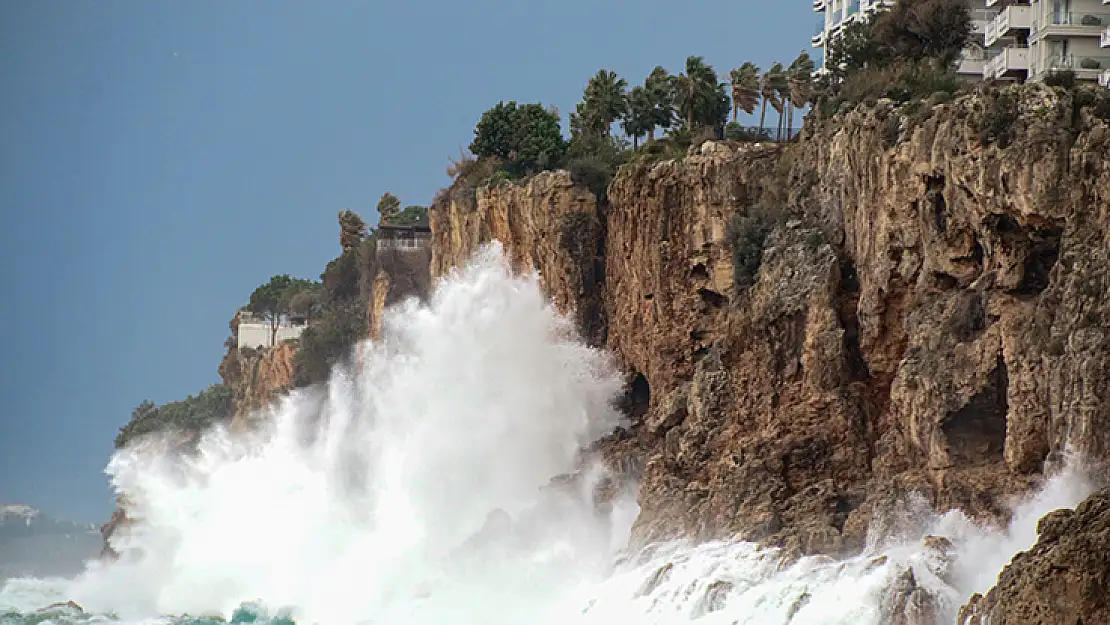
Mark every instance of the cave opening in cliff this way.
pixel 637 398
pixel 976 433
pixel 1042 257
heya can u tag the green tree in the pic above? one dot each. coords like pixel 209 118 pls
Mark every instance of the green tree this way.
pixel 328 342
pixel 195 413
pixel 528 137
pixel 604 101
pixel 745 89
pixel 538 141
pixel 638 119
pixel 352 229
pixel 271 300
pixel 388 208
pixel 660 90
pixel 411 215
pixel 800 79
pixel 307 302
pixel 697 93
pixel 932 29
pixel 495 133
pixel 856 48
pixel 770 86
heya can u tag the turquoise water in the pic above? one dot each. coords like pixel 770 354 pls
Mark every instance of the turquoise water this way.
pixel 68 613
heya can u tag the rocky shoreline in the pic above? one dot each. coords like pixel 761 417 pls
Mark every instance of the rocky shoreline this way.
pixel 898 302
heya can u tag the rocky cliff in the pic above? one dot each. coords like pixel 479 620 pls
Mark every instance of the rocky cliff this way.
pixel 907 298
pixel 549 225
pixel 1063 580
pixel 256 377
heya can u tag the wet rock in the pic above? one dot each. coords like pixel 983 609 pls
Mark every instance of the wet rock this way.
pixel 924 316
pixel 1063 580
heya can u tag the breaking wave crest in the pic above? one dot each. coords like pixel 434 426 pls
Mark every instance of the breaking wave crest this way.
pixel 419 489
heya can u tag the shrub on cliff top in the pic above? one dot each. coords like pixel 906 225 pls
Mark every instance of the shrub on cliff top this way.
pixel 901 82
pixel 192 414
pixel 994 119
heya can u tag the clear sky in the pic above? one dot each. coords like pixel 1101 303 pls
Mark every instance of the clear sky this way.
pixel 158 160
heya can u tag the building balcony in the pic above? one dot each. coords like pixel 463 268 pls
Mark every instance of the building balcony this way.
pixel 1011 62
pixel 971 67
pixel 819 5
pixel 1104 77
pixel 1073 24
pixel 1086 67
pixel 1105 39
pixel 1011 20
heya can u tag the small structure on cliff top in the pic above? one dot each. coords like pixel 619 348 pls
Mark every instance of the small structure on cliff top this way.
pixel 407 237
pixel 253 331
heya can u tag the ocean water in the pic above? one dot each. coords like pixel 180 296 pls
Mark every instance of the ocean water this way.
pixel 417 490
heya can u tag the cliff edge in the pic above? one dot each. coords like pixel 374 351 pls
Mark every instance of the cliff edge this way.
pixel 907 298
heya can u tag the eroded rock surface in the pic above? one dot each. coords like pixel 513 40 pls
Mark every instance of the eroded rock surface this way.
pixel 925 313
pixel 1063 580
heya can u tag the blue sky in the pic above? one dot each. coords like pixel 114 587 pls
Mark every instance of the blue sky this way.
pixel 158 160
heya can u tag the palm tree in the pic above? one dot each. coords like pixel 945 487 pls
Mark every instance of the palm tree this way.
pixel 660 89
pixel 783 90
pixel 605 99
pixel 769 89
pixel 693 88
pixel 745 89
pixel 800 78
pixel 638 118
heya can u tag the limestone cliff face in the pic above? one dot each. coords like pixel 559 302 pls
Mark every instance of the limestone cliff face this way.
pixel 397 274
pixel 924 312
pixel 549 225
pixel 1062 580
pixel 257 377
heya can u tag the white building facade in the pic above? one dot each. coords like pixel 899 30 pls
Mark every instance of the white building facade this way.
pixel 254 332
pixel 1030 39
pixel 836 14
pixel 1014 39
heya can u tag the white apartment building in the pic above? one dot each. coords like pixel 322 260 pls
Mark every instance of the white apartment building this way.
pixel 254 332
pixel 1032 38
pixel 839 13
pixel 1021 39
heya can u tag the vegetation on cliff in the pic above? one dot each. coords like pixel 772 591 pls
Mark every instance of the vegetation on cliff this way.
pixel 335 309
pixel 190 415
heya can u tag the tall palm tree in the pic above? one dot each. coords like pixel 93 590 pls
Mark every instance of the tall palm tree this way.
pixel 745 89
pixel 769 89
pixel 660 89
pixel 800 78
pixel 606 99
pixel 638 118
pixel 694 88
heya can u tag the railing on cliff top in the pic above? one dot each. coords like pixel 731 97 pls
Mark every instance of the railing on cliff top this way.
pixel 761 133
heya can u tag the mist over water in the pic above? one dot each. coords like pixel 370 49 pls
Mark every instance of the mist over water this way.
pixel 417 490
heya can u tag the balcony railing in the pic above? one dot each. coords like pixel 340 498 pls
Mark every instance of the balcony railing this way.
pixel 1104 40
pixel 1010 59
pixel 1078 63
pixel 1076 18
pixel 1011 18
pixel 1104 77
